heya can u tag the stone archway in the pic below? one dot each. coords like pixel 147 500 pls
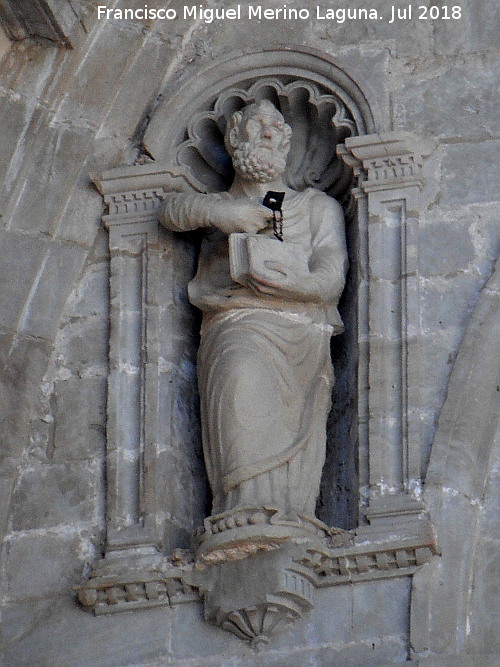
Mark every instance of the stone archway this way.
pixel 460 468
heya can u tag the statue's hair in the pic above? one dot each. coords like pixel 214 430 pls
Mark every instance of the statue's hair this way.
pixel 232 134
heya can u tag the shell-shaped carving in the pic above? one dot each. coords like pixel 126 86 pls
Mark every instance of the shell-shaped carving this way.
pixel 258 624
pixel 319 121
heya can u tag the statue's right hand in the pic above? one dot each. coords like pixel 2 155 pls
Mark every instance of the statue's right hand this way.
pixel 239 216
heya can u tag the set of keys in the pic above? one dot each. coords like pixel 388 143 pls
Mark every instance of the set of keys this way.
pixel 274 201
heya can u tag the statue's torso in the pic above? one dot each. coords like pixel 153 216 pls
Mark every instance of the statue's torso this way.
pixel 212 290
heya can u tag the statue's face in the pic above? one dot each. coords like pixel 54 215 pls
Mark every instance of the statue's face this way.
pixel 259 143
pixel 264 131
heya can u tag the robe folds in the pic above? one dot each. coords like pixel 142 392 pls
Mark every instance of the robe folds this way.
pixel 264 368
pixel 265 380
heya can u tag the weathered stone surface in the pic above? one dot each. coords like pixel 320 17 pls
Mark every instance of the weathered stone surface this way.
pixel 391 599
pixel 22 259
pixel 466 105
pixel 448 301
pixel 83 344
pixel 464 167
pixel 39 566
pixel 474 33
pixel 48 495
pixel 485 603
pixel 55 156
pixel 86 103
pixel 207 641
pixel 25 365
pixel 26 640
pixel 43 310
pixel 445 248
pixel 79 417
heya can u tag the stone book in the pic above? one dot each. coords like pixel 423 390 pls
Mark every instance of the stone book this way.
pixel 258 254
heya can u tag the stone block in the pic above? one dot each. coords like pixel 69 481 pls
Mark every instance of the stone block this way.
pixel 59 633
pixel 329 622
pixel 473 164
pixel 450 512
pixel 55 160
pixel 491 502
pixel 378 651
pixel 464 106
pixel 485 602
pixel 80 416
pixel 140 86
pixel 48 495
pixel 438 353
pixel 60 269
pixel 445 248
pixel 84 100
pixel 448 302
pixel 407 38
pixel 23 371
pixel 13 115
pixel 485 16
pixel 390 599
pixel 21 260
pixel 473 33
pixel 81 219
pixel 91 294
pixel 83 346
pixel 203 643
pixel 6 486
pixel 470 660
pixel 39 566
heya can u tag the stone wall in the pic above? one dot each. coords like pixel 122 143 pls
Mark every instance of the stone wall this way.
pixel 82 106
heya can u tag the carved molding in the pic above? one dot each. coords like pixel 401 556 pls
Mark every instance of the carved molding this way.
pixel 387 161
pixel 366 555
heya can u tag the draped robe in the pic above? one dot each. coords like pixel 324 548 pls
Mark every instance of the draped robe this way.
pixel 264 369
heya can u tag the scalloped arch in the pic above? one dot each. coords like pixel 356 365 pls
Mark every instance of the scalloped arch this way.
pixel 320 101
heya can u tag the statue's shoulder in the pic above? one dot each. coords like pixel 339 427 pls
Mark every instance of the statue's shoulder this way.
pixel 320 198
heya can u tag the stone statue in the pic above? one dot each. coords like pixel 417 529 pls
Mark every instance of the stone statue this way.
pixel 269 310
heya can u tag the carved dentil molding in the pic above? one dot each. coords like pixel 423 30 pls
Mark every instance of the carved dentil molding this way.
pixel 365 555
pixel 383 161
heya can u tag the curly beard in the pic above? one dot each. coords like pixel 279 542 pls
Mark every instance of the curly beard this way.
pixel 257 164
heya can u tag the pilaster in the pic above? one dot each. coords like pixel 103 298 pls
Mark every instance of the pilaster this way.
pixel 389 170
pixel 138 426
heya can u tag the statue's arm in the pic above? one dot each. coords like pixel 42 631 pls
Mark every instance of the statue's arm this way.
pixel 183 212
pixel 328 262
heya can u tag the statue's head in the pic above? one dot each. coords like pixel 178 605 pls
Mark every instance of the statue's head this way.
pixel 258 140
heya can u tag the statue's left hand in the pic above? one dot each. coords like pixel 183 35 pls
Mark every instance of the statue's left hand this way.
pixel 285 282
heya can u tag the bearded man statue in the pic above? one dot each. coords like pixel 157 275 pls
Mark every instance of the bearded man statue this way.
pixel 264 370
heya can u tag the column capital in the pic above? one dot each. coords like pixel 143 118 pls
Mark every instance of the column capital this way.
pixel 388 160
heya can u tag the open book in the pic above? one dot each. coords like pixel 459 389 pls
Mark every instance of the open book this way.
pixel 255 253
